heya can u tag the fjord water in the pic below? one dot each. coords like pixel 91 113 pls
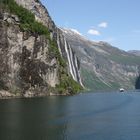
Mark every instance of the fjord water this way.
pixel 98 116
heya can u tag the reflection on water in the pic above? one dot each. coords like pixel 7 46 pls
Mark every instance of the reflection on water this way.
pixel 102 116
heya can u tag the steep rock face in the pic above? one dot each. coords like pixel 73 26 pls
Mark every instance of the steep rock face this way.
pixel 25 62
pixel 102 65
pixel 40 12
pixel 30 63
pixel 42 15
pixel 68 54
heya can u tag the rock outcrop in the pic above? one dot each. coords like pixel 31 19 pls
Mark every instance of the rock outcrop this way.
pixel 30 64
pixel 42 15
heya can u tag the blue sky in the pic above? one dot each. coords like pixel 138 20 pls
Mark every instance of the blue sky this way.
pixel 114 21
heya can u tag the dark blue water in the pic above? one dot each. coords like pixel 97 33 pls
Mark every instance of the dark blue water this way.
pixel 98 116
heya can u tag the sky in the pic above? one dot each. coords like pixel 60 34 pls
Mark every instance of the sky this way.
pixel 114 21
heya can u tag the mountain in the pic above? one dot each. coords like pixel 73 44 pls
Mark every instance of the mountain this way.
pixel 35 58
pixel 102 65
pixel 135 52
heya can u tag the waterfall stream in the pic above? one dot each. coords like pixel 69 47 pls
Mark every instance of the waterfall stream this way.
pixel 67 52
pixel 69 60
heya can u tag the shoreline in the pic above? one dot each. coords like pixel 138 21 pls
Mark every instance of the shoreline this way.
pixel 8 95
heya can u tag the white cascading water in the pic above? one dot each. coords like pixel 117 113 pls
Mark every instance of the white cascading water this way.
pixel 58 43
pixel 79 76
pixel 69 61
pixel 72 59
pixel 72 62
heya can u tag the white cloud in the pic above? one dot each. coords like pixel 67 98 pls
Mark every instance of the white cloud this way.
pixel 76 31
pixel 103 25
pixel 94 32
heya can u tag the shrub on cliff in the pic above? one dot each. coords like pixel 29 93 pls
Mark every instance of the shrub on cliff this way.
pixel 27 19
pixel 29 24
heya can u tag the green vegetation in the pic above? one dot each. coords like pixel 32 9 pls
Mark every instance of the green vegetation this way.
pixel 125 59
pixel 94 83
pixel 15 90
pixel 28 24
pixel 54 52
pixel 67 84
pixel 27 19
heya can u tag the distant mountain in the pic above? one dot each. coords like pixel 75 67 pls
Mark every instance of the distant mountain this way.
pixel 135 52
pixel 102 65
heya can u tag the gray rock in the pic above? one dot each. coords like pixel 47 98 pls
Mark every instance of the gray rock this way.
pixel 102 65
pixel 27 68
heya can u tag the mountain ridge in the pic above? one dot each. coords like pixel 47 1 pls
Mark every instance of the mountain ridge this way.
pixel 135 52
pixel 102 65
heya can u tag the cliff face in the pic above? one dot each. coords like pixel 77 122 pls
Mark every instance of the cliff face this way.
pixel 42 15
pixel 25 62
pixel 68 54
pixel 102 65
pixel 30 64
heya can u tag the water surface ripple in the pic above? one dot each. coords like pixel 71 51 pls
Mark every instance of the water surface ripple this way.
pixel 91 116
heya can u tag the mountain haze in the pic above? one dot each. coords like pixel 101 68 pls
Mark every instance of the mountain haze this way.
pixel 135 52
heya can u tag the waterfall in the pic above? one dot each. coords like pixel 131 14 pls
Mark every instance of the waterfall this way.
pixel 78 74
pixel 73 63
pixel 58 43
pixel 78 71
pixel 69 60
pixel 68 54
pixel 71 54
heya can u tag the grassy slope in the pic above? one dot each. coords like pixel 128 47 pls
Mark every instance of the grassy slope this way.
pixel 92 82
